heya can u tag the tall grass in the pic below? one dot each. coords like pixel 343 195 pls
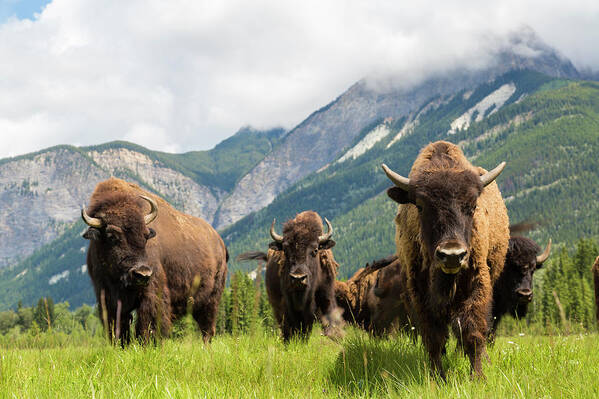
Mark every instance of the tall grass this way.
pixel 260 365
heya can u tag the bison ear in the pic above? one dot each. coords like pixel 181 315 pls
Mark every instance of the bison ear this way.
pixel 92 234
pixel 151 234
pixel 328 244
pixel 275 245
pixel 398 195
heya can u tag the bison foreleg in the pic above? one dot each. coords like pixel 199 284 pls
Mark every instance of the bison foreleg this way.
pixel 154 317
pixel 434 337
pixel 470 326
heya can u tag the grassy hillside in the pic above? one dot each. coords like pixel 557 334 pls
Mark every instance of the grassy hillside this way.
pixel 261 366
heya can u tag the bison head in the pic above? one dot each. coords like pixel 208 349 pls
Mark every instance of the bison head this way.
pixel 515 282
pixel 119 231
pixel 446 200
pixel 301 242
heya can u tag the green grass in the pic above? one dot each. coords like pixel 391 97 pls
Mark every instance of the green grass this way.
pixel 262 366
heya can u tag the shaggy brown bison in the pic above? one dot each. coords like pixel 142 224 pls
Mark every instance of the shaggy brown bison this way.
pixel 595 270
pixel 160 271
pixel 355 296
pixel 452 234
pixel 512 291
pixel 300 276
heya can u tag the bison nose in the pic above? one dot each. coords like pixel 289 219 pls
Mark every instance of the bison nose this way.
pixel 298 278
pixel 452 257
pixel 524 294
pixel 142 274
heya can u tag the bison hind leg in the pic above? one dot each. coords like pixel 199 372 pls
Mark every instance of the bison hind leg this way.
pixel 205 316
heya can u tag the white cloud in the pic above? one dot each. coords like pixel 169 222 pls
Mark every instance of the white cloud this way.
pixel 184 74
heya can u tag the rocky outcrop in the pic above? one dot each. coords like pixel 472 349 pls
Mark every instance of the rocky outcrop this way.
pixel 178 189
pixel 39 196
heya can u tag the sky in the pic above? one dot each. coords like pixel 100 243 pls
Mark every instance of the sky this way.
pixel 183 75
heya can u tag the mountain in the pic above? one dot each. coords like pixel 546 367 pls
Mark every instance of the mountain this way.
pixel 41 193
pixel 547 130
pixel 323 135
pixel 526 110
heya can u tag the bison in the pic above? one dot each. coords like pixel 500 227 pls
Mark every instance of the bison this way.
pixel 178 264
pixel 452 235
pixel 512 291
pixel 355 296
pixel 300 276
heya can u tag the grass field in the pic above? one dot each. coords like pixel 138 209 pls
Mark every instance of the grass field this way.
pixel 262 366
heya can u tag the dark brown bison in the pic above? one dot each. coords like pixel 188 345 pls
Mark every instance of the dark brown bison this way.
pixel 595 270
pixel 300 276
pixel 452 234
pixel 512 291
pixel 177 264
pixel 355 296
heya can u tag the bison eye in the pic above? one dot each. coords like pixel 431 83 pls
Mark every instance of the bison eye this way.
pixel 112 238
pixel 314 252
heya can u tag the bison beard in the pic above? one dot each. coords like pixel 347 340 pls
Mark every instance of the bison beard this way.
pixel 300 276
pixel 452 235
pixel 184 266
pixel 512 291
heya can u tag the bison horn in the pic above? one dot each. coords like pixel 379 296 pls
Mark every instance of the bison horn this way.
pixel 90 221
pixel 323 238
pixel 488 177
pixel 543 257
pixel 153 210
pixel 273 233
pixel 396 178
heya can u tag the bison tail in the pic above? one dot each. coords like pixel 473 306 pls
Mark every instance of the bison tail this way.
pixel 252 256
pixel 226 254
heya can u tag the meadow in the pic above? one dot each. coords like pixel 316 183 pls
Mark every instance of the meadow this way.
pixel 260 365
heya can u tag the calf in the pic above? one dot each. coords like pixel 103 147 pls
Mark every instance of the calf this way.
pixel 354 296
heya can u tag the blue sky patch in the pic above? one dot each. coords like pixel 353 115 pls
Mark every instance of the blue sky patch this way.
pixel 21 9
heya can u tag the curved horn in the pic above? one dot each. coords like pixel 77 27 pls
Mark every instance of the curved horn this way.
pixel 273 233
pixel 543 257
pixel 325 237
pixel 396 178
pixel 90 221
pixel 153 210
pixel 488 177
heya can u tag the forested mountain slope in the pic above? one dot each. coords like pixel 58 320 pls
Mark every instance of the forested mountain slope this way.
pixel 547 131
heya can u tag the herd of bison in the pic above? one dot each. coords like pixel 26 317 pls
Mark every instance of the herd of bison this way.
pixel 456 266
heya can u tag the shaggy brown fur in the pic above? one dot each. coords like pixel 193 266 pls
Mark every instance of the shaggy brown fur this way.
pixel 354 295
pixel 595 270
pixel 516 277
pixel 297 304
pixel 453 203
pixel 188 260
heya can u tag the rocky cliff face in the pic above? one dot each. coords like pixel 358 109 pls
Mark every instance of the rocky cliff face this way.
pixel 39 196
pixel 42 194
pixel 180 190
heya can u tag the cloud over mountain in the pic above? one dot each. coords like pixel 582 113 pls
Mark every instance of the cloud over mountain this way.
pixel 183 75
